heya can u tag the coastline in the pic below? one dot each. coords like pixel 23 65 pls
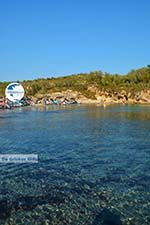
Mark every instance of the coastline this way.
pixel 100 97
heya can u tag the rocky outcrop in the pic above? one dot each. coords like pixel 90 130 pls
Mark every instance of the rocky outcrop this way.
pixel 100 96
pixel 123 97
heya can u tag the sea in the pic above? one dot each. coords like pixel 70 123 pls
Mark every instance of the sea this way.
pixel 93 165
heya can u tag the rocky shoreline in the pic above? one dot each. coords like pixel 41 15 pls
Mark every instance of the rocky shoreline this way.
pixel 100 97
pixel 69 96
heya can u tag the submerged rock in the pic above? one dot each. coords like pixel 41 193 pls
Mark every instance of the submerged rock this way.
pixel 28 203
pixel 107 217
pixel 5 209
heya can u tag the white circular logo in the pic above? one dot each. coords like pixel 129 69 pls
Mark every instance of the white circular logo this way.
pixel 14 92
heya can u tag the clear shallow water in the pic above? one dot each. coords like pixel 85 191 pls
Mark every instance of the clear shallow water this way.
pixel 94 165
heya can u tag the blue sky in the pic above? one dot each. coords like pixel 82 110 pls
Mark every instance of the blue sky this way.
pixel 44 38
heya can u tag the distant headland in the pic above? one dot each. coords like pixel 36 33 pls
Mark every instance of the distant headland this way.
pixel 93 87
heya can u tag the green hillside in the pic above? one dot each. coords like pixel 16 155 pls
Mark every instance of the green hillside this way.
pixel 134 81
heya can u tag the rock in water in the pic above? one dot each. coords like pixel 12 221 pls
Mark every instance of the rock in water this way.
pixel 107 217
pixel 5 209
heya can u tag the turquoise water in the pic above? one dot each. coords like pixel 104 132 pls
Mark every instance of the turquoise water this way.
pixel 94 165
